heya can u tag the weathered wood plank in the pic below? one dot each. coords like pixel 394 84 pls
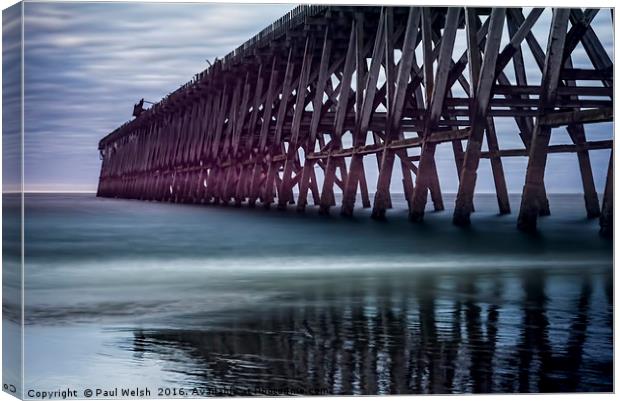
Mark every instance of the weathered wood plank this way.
pixel 556 119
pixel 530 204
pixel 286 189
pixel 427 175
pixel 327 193
pixel 607 213
pixel 578 136
pixel 485 82
pixel 363 118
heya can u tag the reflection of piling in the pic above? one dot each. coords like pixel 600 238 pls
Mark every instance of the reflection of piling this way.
pixel 577 335
pixel 481 349
pixel 372 345
pixel 535 345
pixel 272 118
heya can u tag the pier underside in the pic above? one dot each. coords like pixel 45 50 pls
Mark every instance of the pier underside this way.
pixel 299 110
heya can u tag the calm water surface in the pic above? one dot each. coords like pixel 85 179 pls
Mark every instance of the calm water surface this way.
pixel 129 293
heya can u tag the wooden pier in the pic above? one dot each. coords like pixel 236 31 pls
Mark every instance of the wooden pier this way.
pixel 293 112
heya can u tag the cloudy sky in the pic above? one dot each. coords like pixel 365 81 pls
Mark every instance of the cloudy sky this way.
pixel 86 64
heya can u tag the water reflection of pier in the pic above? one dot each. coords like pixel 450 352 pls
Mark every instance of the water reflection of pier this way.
pixel 470 333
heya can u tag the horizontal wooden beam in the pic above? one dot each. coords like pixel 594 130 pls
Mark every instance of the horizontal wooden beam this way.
pixel 569 148
pixel 562 91
pixel 437 137
pixel 587 75
pixel 574 117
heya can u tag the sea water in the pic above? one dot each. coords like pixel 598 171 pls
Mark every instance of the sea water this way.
pixel 127 293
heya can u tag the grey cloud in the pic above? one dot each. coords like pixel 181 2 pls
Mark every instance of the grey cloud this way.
pixel 87 63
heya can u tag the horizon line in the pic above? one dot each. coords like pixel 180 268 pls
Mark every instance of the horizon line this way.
pixel 396 193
